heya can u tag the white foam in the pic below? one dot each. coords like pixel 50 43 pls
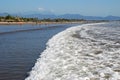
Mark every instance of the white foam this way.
pixel 73 54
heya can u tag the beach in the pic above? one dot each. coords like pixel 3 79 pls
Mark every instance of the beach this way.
pixel 34 23
pixel 21 23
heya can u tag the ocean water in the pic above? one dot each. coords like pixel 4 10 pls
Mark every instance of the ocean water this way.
pixel 21 45
pixel 86 52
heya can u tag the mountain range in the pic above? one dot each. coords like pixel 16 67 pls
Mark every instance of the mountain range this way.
pixel 66 16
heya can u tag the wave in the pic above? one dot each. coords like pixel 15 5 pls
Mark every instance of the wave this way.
pixel 84 52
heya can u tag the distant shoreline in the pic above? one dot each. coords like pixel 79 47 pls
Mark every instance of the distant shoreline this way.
pixel 40 23
pixel 12 20
pixel 22 23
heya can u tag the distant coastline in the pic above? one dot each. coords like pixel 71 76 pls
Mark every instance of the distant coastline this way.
pixel 34 23
pixel 45 23
pixel 15 20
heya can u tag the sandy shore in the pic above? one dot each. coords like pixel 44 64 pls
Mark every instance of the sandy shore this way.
pixel 16 23
pixel 21 23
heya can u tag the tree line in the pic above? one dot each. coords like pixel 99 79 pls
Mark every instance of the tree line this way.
pixel 10 18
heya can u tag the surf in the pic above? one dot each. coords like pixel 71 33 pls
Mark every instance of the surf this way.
pixel 85 52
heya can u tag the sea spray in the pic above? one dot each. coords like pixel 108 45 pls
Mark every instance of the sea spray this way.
pixel 87 52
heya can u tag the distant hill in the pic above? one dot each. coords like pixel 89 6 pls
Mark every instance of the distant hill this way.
pixel 78 16
pixel 73 16
pixel 40 16
pixel 112 18
pixel 3 14
pixel 66 16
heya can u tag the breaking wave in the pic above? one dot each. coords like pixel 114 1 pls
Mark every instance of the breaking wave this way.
pixel 87 52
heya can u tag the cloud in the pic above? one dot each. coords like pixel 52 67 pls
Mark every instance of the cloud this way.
pixel 45 11
pixel 41 9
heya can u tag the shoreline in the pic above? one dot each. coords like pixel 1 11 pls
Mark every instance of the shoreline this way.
pixel 34 23
pixel 42 23
pixel 70 54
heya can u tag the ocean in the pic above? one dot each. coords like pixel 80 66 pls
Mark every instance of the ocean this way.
pixel 21 45
pixel 84 52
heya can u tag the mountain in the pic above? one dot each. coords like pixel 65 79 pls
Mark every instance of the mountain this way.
pixel 73 16
pixel 112 18
pixel 78 16
pixel 46 15
pixel 41 16
pixel 4 14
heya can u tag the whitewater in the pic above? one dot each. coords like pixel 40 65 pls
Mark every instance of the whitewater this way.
pixel 85 52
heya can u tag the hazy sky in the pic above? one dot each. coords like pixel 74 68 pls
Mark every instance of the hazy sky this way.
pixel 83 7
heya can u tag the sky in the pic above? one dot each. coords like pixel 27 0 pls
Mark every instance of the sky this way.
pixel 83 7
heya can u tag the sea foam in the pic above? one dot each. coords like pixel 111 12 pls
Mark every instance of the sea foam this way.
pixel 80 53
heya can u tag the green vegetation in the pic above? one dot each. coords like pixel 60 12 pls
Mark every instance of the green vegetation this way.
pixel 10 18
